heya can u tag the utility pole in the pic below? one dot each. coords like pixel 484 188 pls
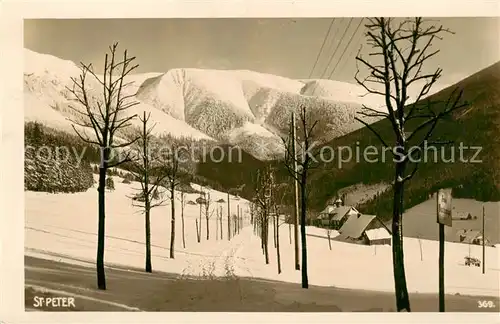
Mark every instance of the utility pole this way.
pixel 441 268
pixel 484 249
pixel 296 195
pixel 444 217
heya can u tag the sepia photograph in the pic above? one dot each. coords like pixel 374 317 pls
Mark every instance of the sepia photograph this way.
pixel 273 164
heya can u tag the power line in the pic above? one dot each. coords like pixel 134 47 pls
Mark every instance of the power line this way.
pixel 332 56
pixel 336 49
pixel 357 43
pixel 322 46
pixel 347 46
pixel 331 48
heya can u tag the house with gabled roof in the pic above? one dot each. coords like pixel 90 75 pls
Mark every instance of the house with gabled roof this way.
pixel 355 226
pixel 360 229
pixel 471 236
pixel 378 236
pixel 335 215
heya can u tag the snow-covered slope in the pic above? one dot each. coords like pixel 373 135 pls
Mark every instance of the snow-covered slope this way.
pixel 237 106
pixel 53 233
pixel 256 139
pixel 340 91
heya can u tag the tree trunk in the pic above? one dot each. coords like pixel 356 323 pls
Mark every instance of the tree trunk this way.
pixel 266 237
pixel 147 197
pixel 262 234
pixel 228 219
pixel 221 230
pixel 149 268
pixel 182 222
pixel 207 216
pixel 303 210
pixel 101 276
pixel 290 232
pixel 208 228
pixel 172 230
pixel 197 231
pixel 278 256
pixel 275 234
pixel 296 197
pixel 238 219
pixel 217 224
pixel 329 240
pixel 199 224
pixel 401 290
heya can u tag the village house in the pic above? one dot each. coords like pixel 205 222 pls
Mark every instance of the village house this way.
pixel 377 236
pixel 335 215
pixel 355 226
pixel 471 237
pixel 355 230
pixel 462 216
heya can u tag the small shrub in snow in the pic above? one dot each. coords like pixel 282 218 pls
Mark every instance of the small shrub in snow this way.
pixel 208 270
pixel 126 181
pixel 129 177
pixel 110 184
pixel 228 269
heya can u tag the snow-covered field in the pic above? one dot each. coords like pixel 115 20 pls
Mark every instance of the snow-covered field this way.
pixel 66 224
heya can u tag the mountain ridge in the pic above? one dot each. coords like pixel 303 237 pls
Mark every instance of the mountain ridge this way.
pixel 199 103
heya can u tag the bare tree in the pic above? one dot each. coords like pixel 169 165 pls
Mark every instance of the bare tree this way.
pixel 402 50
pixel 232 191
pixel 182 199
pixel 177 164
pixel 274 230
pixel 106 115
pixel 208 213
pixel 147 168
pixel 253 215
pixel 329 236
pixel 198 231
pixel 220 202
pixel 299 160
pixel 220 220
pixel 264 183
pixel 278 200
pixel 201 201
pixel 228 216
pixel 238 221
pixel 217 223
pixel 292 147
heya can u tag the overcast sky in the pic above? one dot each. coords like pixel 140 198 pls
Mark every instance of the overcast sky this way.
pixel 286 47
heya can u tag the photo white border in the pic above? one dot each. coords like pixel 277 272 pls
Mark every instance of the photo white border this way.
pixel 12 153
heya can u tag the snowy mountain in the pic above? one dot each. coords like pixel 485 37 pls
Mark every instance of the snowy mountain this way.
pixel 238 107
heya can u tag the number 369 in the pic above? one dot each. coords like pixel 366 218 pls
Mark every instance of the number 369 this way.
pixel 485 304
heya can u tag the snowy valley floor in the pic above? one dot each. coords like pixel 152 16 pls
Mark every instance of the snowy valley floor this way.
pixel 63 227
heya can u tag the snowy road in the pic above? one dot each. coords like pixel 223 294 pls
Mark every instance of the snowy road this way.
pixel 134 290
